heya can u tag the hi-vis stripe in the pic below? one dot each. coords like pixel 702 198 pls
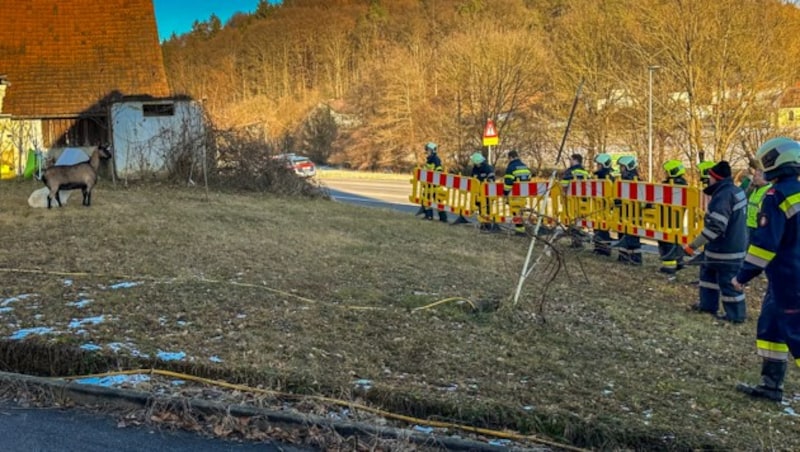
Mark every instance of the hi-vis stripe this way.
pixel 528 189
pixel 588 188
pixel 446 180
pixel 661 194
pixel 655 235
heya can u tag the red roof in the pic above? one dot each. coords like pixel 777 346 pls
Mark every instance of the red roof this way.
pixel 62 57
pixel 790 98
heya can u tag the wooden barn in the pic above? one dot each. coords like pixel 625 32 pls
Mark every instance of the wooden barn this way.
pixel 64 66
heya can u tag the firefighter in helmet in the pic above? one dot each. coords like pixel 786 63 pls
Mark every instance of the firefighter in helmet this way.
pixel 516 171
pixel 629 246
pixel 433 163
pixel 775 249
pixel 671 254
pixel 484 172
pixel 602 239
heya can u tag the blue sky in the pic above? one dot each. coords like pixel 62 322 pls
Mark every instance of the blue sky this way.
pixel 179 15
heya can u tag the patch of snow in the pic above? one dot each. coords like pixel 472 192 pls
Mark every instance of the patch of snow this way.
pixel 170 356
pixel 80 304
pixel 364 384
pixel 21 297
pixel 124 285
pixel 67 282
pixel 91 347
pixel 215 359
pixel 423 429
pixel 23 333
pixel 4 310
pixel 500 442
pixel 75 323
pixel 114 380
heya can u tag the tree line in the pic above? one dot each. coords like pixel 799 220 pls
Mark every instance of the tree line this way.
pixel 366 83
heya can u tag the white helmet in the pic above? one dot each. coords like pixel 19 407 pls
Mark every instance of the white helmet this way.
pixel 777 153
pixel 628 162
pixel 603 160
pixel 477 158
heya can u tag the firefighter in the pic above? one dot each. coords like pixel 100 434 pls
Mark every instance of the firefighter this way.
pixel 775 248
pixel 516 171
pixel 433 163
pixel 757 188
pixel 574 172
pixel 670 253
pixel 481 169
pixel 630 246
pixel 724 238
pixel 484 172
pixel 602 239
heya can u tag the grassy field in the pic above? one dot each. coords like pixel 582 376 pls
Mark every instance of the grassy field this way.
pixel 322 294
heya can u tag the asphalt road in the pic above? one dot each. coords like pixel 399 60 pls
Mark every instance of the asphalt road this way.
pixel 384 193
pixel 45 430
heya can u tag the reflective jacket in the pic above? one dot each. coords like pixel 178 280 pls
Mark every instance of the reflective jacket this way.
pixel 725 226
pixel 604 173
pixel 629 175
pixel 675 181
pixel 775 244
pixel 754 205
pixel 574 172
pixel 484 172
pixel 515 171
pixel 433 163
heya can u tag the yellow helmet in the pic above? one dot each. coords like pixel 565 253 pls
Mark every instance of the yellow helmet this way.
pixel 674 168
pixel 703 168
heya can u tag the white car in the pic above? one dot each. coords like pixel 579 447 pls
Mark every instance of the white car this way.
pixel 302 166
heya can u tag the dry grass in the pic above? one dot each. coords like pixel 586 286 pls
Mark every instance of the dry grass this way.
pixel 619 363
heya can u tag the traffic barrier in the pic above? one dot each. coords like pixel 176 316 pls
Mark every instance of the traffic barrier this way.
pixel 588 203
pixel 666 213
pixel 669 213
pixel 444 192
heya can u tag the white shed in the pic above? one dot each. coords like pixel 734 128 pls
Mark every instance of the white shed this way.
pixel 149 135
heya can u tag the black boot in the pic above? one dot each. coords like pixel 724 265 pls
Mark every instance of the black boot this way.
pixel 771 387
pixel 443 217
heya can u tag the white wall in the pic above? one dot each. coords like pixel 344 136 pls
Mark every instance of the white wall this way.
pixel 142 143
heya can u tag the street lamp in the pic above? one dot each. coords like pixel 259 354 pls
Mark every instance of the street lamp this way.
pixel 651 68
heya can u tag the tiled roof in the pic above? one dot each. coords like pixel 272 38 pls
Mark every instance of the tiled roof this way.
pixel 790 98
pixel 62 57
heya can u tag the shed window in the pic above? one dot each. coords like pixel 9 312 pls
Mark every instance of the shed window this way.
pixel 158 109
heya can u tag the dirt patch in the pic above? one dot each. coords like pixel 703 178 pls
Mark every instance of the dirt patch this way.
pixel 312 296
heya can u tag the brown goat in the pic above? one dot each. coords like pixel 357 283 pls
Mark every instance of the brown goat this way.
pixel 82 175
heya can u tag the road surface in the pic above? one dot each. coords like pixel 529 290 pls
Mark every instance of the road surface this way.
pixel 385 193
pixel 49 429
